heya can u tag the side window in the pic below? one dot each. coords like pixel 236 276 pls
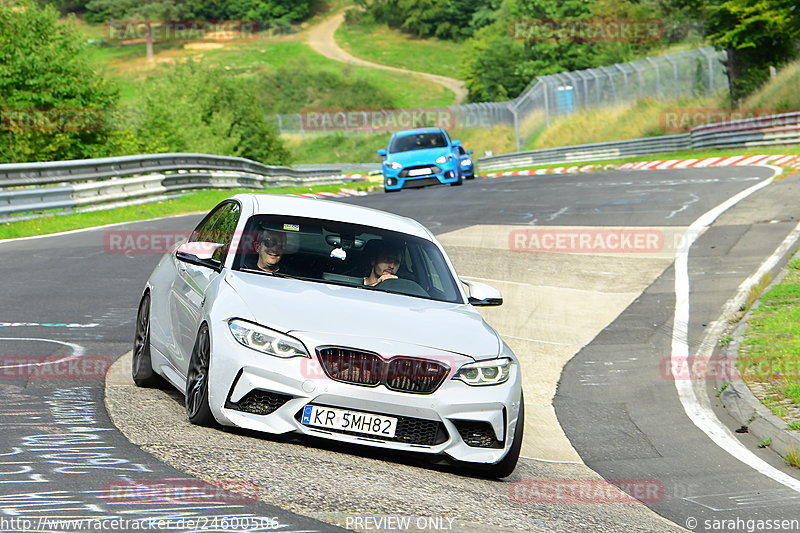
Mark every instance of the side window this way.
pixel 219 228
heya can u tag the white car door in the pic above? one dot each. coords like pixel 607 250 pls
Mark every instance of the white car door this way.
pixel 188 291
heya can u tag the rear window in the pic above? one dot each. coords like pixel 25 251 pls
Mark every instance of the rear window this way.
pixel 418 141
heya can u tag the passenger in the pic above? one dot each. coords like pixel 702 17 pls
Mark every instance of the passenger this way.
pixel 384 262
pixel 270 247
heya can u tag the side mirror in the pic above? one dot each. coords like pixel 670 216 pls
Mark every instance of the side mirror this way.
pixel 382 152
pixel 199 253
pixel 456 143
pixel 482 295
pixel 469 151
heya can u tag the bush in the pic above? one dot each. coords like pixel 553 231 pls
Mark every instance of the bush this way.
pixel 53 105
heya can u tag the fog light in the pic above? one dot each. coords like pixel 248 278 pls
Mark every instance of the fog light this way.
pixel 391 181
pixel 449 174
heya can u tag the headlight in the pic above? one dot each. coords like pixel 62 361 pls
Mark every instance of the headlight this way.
pixel 443 159
pixel 265 340
pixel 492 372
pixel 466 163
pixel 393 165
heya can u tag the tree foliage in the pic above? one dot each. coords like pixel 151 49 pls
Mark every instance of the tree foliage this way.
pixel 447 19
pixel 193 107
pixel 53 105
pixel 757 34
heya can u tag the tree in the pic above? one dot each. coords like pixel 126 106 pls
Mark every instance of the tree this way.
pixel 138 11
pixel 194 107
pixel 53 105
pixel 756 34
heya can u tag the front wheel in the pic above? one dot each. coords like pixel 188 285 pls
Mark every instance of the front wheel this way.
pixel 459 182
pixel 197 408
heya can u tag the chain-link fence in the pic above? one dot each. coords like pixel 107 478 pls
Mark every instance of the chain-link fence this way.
pixel 692 73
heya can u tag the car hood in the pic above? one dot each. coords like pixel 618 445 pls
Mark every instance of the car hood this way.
pixel 371 317
pixel 425 155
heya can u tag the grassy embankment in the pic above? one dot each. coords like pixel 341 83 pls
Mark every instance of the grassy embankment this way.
pixel 769 359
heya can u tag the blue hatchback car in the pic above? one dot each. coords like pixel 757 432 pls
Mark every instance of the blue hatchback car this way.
pixel 420 157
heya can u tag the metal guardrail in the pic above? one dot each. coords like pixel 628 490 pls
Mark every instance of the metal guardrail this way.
pixel 758 131
pixel 70 185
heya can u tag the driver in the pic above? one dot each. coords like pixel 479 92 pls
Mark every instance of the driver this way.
pixel 270 247
pixel 384 263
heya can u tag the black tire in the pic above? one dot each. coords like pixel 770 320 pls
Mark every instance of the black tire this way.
pixel 141 364
pixel 459 182
pixel 470 177
pixel 391 190
pixel 197 408
pixel 508 463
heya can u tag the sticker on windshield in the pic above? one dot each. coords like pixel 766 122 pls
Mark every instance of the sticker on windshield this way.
pixel 291 227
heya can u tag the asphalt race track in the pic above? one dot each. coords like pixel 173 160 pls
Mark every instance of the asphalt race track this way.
pixel 607 314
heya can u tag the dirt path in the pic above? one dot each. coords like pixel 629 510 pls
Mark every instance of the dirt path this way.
pixel 321 38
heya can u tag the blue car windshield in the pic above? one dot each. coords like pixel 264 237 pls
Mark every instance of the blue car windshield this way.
pixel 417 141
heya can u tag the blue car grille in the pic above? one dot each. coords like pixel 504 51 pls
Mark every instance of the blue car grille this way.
pixel 403 374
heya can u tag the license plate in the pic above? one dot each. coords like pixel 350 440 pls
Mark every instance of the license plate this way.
pixel 345 420
pixel 419 171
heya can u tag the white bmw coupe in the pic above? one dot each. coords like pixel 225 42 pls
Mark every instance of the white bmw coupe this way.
pixel 285 314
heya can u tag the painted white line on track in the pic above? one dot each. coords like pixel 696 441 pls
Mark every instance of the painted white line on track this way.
pixel 77 349
pixel 551 461
pixel 696 403
pixel 570 289
pixel 542 342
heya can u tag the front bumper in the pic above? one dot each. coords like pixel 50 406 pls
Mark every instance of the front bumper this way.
pixel 395 179
pixel 264 393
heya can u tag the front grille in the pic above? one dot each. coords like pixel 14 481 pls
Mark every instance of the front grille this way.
pixel 259 402
pixel 403 374
pixel 477 434
pixel 409 374
pixel 350 366
pixel 409 430
pixel 421 182
pixel 433 170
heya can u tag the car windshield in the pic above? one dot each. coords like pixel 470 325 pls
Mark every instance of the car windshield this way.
pixel 345 254
pixel 418 141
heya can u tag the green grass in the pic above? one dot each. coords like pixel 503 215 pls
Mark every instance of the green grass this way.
pixel 380 44
pixel 362 147
pixel 127 65
pixel 201 201
pixel 779 94
pixel 771 348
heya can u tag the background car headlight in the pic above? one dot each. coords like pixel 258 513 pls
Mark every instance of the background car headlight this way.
pixel 265 340
pixel 492 372
pixel 466 163
pixel 394 165
pixel 443 159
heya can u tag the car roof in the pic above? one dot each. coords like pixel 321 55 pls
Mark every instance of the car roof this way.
pixel 278 204
pixel 418 130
